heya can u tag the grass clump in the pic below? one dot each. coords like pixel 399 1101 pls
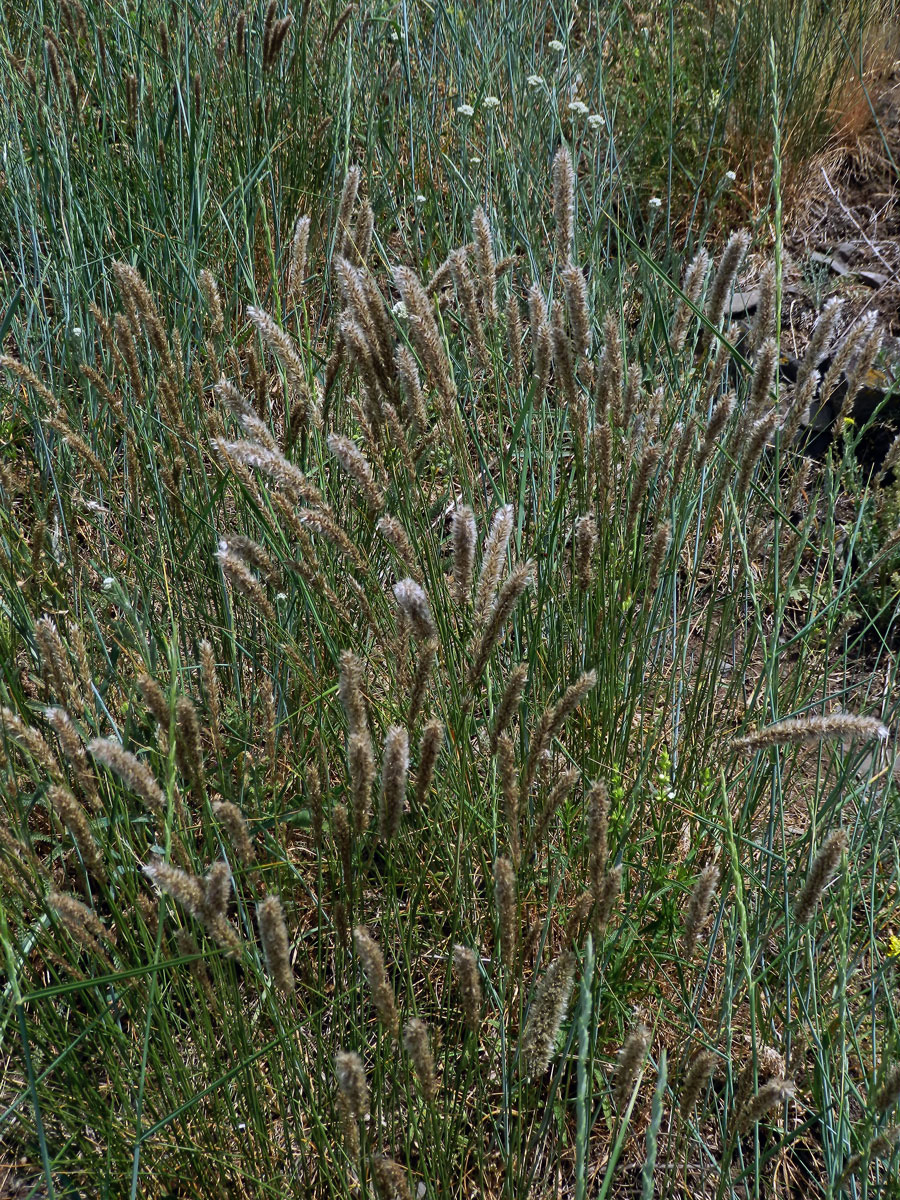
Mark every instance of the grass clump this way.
pixel 530 548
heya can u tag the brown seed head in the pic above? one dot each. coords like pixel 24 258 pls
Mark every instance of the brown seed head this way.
pixel 351 1076
pixel 505 901
pixel 698 1074
pixel 372 963
pixel 630 1060
pixel 429 749
pixel 698 907
pixel 275 942
pixel 463 553
pixel 822 871
pixel 546 1014
pixel 134 774
pixel 394 770
pixel 465 967
pixel 235 824
pixel 417 1045
pixel 563 203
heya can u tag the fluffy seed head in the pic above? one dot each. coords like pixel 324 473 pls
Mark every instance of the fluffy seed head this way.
pixel 598 834
pixel 465 968
pixel 390 1179
pixel 509 701
pixel 555 799
pixel 822 871
pixel 284 349
pixel 609 893
pixel 417 1045
pixel 809 730
pixel 585 537
pixel 889 1092
pixel 546 1014
pixel 75 820
pixel 509 784
pixel 187 734
pixel 350 691
pixel 763 321
pixel 81 922
pixel 769 1096
pixel 629 1063
pixel 393 532
pixel 721 414
pixel 884 1145
pixel 58 672
pixel 578 308
pixel 723 281
pixel 238 831
pixel 564 365
pixel 698 907
pixel 275 943
pixel 349 193
pixel 463 553
pixel 413 602
pixel 186 889
pixel 361 762
pixel 354 462
pixel 216 892
pixel 351 1077
pixel 429 749
pixel 698 1074
pixel 73 748
pixel 297 267
pixel 486 266
pixel 692 285
pixel 372 963
pixel 517 581
pixel 427 654
pixel 492 558
pixel 133 773
pixel 514 340
pixel 394 769
pixel 505 900
pixel 563 203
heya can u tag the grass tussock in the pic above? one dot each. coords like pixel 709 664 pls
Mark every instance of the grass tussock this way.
pixel 448 725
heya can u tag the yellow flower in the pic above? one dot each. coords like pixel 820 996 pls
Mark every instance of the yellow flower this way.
pixel 893 946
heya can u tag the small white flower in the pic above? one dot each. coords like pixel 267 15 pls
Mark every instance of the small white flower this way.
pixel 655 202
pixel 466 110
pixel 596 120
pixel 420 199
pixel 395 36
pixel 578 106
pixel 475 160
pixel 555 45
pixel 491 102
pixel 400 309
pixel 108 583
pixel 281 596
pixel 731 176
pixel 76 331
pixel 535 81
